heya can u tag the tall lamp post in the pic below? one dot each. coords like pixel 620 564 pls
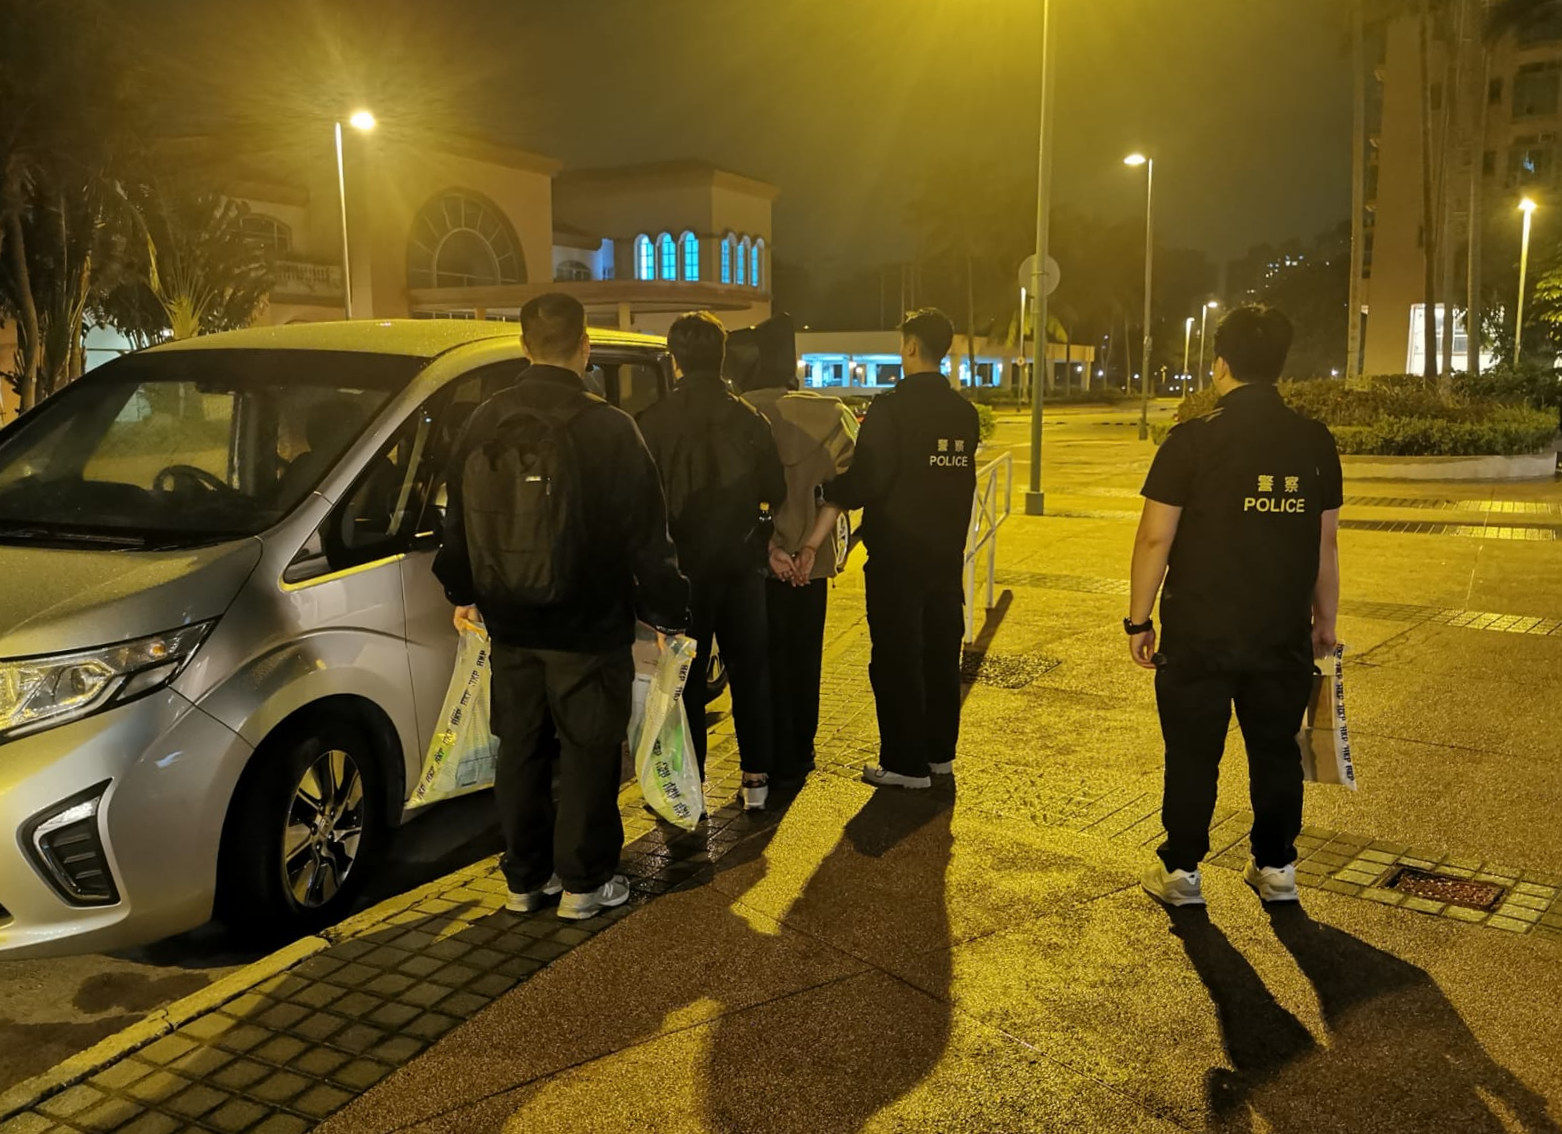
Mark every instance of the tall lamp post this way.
pixel 1035 499
pixel 1527 207
pixel 1203 327
pixel 1149 269
pixel 1187 344
pixel 363 122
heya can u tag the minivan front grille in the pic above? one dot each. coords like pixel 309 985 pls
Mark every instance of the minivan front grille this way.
pixel 67 849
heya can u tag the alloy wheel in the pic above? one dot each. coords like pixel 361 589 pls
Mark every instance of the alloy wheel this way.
pixel 324 828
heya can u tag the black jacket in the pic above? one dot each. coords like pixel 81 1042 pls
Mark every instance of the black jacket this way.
pixel 630 562
pixel 914 474
pixel 719 468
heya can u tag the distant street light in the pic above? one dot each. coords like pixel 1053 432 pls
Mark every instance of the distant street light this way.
pixel 1149 269
pixel 362 121
pixel 1204 326
pixel 1187 344
pixel 1527 207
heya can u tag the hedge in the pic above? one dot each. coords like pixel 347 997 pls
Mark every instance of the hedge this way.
pixel 1509 431
pixel 1406 416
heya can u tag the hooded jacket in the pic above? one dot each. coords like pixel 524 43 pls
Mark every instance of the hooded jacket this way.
pixel 816 436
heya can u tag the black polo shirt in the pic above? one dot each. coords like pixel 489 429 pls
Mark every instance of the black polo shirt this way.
pixel 1253 479
pixel 914 475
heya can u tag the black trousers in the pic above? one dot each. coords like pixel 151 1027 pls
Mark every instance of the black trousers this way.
pixel 588 697
pixel 731 608
pixel 1195 709
pixel 916 619
pixel 796 617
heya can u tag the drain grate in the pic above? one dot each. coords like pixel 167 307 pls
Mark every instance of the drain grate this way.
pixel 1442 888
pixel 1004 671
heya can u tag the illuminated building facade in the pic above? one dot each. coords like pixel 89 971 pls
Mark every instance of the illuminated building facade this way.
pixel 1494 143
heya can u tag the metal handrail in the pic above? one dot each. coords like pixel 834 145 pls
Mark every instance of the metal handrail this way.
pixel 992 505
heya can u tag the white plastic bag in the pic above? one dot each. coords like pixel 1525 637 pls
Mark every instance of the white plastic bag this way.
pixel 665 763
pixel 463 754
pixel 1325 738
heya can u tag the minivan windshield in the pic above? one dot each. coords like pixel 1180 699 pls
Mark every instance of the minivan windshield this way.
pixel 178 448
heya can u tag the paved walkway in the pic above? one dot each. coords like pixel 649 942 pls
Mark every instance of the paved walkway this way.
pixel 978 958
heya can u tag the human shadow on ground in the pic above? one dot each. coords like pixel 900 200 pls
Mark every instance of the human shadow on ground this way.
pixel 1397 1057
pixel 829 1059
pixel 793 1029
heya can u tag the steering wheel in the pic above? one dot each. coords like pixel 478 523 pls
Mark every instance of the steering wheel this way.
pixel 175 477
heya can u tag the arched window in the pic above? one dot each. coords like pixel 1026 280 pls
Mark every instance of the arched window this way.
pixel 570 271
pixel 667 253
pixel 726 258
pixel 645 258
pixel 691 256
pixel 460 240
pixel 756 264
pixel 267 232
pixel 743 254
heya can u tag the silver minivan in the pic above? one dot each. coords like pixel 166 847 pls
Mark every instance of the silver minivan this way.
pixel 222 649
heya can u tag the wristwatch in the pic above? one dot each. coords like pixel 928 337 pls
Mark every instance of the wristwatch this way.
pixel 1138 627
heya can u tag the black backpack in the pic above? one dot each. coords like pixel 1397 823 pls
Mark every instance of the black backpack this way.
pixel 521 503
pixel 712 511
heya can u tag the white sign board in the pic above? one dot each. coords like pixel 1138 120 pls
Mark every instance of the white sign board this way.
pixel 1049 278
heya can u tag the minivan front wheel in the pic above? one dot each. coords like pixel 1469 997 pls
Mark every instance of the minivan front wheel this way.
pixel 305 830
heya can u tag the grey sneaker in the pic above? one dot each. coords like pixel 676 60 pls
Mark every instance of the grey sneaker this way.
pixel 1272 883
pixel 946 768
pixel 533 900
pixel 1173 887
pixel 578 907
pixel 878 777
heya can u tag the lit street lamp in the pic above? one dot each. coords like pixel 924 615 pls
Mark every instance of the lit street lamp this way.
pixel 1187 344
pixel 1204 326
pixel 1149 268
pixel 362 121
pixel 1527 207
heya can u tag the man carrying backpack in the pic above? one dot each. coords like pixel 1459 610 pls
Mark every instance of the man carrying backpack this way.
pixel 556 532
pixel 720 470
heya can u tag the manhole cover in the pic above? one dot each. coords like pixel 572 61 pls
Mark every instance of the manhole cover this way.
pixel 1442 888
pixel 1005 671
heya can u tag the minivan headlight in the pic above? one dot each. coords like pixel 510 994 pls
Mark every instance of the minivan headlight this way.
pixel 41 692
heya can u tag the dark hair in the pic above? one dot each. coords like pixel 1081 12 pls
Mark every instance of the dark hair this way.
pixel 698 342
pixel 741 367
pixel 764 356
pixel 551 326
pixel 932 328
pixel 1254 340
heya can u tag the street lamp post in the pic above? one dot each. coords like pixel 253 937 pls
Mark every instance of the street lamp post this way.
pixel 1187 344
pixel 1035 499
pixel 1149 269
pixel 1203 327
pixel 1527 207
pixel 362 121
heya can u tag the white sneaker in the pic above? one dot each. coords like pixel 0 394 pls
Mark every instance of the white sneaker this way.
pixel 755 795
pixel 1272 883
pixel 578 907
pixel 878 777
pixel 1173 887
pixel 534 900
pixel 947 768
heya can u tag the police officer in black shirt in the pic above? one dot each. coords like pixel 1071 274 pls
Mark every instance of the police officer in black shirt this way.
pixel 1241 521
pixel 914 477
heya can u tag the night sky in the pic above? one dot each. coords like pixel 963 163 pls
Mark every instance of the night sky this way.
pixel 842 103
pixel 1245 103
